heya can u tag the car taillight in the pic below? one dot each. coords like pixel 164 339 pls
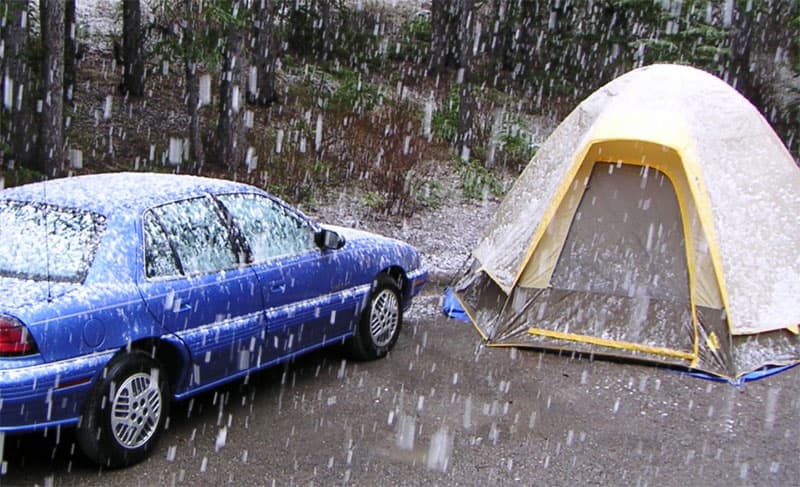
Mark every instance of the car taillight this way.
pixel 15 339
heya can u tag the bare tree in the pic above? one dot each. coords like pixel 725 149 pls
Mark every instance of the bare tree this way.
pixel 51 146
pixel 265 55
pixel 230 143
pixel 190 61
pixel 444 35
pixel 465 12
pixel 502 35
pixel 134 73
pixel 17 119
pixel 325 29
pixel 741 38
pixel 70 49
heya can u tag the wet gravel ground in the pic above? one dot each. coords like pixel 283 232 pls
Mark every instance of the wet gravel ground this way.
pixel 442 409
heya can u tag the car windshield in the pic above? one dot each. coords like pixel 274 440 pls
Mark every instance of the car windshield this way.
pixel 44 242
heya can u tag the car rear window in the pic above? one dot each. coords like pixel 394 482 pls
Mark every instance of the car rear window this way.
pixel 44 242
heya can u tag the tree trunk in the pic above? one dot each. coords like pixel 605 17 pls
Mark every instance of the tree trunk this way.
pixel 230 149
pixel 196 150
pixel 466 39
pixel 446 20
pixel 133 77
pixel 741 36
pixel 18 135
pixel 440 32
pixel 196 155
pixel 530 54
pixel 498 48
pixel 325 31
pixel 51 157
pixel 266 53
pixel 70 50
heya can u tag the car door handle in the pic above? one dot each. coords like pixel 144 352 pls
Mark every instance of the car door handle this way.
pixel 277 288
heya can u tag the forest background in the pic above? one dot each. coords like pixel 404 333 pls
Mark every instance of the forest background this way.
pixel 302 96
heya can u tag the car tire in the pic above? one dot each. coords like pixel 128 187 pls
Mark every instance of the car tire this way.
pixel 380 323
pixel 126 411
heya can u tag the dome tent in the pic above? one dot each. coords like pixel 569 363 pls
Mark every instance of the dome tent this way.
pixel 658 222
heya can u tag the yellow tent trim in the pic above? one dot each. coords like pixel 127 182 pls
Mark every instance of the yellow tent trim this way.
pixel 550 212
pixel 634 347
pixel 712 341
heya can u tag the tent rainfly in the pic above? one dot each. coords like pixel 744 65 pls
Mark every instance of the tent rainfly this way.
pixel 659 222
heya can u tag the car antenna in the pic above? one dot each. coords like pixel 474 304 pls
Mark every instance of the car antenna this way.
pixel 46 238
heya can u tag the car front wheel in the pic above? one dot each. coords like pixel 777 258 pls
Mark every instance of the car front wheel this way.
pixel 126 411
pixel 379 327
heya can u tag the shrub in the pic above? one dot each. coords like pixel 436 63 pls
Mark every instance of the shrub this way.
pixel 384 152
pixel 354 94
pixel 478 182
pixel 444 122
pixel 414 40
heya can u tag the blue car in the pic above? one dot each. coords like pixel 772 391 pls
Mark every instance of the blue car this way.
pixel 120 293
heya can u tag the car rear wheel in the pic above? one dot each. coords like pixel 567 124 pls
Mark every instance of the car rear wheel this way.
pixel 125 413
pixel 380 323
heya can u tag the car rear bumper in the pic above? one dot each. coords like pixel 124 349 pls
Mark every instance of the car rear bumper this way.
pixel 42 396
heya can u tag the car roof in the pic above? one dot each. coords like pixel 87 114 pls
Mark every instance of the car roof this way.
pixel 110 192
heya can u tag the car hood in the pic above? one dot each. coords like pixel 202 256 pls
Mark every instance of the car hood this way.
pixel 351 234
pixel 396 251
pixel 17 295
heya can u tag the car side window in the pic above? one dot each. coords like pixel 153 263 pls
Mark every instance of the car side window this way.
pixel 159 260
pixel 194 230
pixel 270 229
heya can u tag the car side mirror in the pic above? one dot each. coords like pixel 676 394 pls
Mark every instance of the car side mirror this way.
pixel 329 240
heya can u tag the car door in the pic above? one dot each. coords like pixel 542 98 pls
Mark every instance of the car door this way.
pixel 196 286
pixel 302 285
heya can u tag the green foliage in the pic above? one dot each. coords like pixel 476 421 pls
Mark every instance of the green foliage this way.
pixel 195 35
pixel 516 147
pixel 356 42
pixel 373 200
pixel 582 45
pixel 688 37
pixel 429 193
pixel 320 169
pixel 444 121
pixel 350 33
pixel 300 32
pixel 478 182
pixel 418 28
pixel 354 94
pixel 794 48
pixel 414 40
pixel 20 175
pixel 565 50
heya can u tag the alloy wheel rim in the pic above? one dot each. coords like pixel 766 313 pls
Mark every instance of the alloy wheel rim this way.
pixel 136 410
pixel 384 317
